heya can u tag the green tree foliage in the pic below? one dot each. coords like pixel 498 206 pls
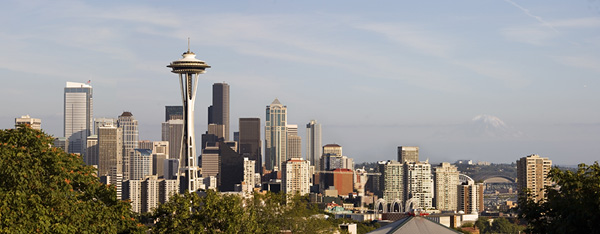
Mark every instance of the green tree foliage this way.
pixel 44 189
pixel 214 213
pixel 502 225
pixel 572 206
pixel 483 224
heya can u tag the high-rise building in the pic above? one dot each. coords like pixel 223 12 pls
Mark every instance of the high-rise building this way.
pixel 532 174
pixel 210 160
pixel 172 132
pixel 32 122
pixel 217 130
pixel 332 149
pixel 418 183
pixel 249 143
pixel 313 143
pixel 295 177
pixel 340 179
pixel 446 185
pixel 110 155
pixel 61 142
pixel 275 135
pixel 294 142
pixel 173 112
pixel 101 122
pixel 188 69
pixel 145 144
pixel 249 176
pixel 91 155
pixel 391 182
pixel 129 125
pixel 78 115
pixel 219 111
pixel 171 167
pixel 408 154
pixel 140 164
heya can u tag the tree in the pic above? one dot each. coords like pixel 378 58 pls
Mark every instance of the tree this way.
pixel 483 224
pixel 44 189
pixel 572 206
pixel 502 225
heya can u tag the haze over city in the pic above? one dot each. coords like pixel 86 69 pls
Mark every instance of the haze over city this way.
pixel 490 81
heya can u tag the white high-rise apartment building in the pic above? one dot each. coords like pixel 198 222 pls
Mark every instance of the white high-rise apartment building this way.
pixel 294 142
pixel 295 177
pixel 78 115
pixel 446 185
pixel 26 119
pixel 314 143
pixel 391 182
pixel 275 136
pixel 418 183
pixel 532 174
pixel 249 176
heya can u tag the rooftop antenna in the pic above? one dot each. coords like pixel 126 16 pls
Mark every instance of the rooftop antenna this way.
pixel 188 44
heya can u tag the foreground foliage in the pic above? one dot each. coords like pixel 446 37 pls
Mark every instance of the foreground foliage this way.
pixel 226 213
pixel 573 206
pixel 44 189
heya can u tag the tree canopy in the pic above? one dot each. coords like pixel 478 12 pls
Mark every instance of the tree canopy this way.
pixel 44 189
pixel 571 206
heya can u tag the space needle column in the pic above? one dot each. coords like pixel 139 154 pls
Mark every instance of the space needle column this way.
pixel 188 69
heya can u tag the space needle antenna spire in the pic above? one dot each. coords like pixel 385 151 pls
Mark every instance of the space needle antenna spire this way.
pixel 188 68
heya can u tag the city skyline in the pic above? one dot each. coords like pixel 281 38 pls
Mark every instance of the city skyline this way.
pixel 489 81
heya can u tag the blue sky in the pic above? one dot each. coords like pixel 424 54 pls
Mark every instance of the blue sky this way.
pixel 375 74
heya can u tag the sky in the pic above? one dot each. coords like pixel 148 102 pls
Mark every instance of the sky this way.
pixel 491 80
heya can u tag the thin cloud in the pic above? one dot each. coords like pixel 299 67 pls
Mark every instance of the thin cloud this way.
pixel 528 12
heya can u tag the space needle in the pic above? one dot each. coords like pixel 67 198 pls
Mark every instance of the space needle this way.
pixel 188 69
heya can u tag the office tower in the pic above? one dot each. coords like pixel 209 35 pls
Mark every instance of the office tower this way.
pixel 408 154
pixel 172 132
pixel 275 135
pixel 332 149
pixel 210 160
pixel 140 164
pixel 347 163
pixel 188 68
pixel 173 112
pixel 446 185
pixel 130 130
pixel 110 155
pixel 249 175
pixel 217 130
pixel 158 164
pixel 294 142
pixel 171 166
pixel 91 154
pixel 100 122
pixel 470 197
pixel 219 111
pixel 391 182
pixel 160 147
pixel 231 168
pixel 295 177
pixel 418 183
pixel 313 143
pixel 145 144
pixel 61 142
pixel 250 146
pixel 32 122
pixel 532 174
pixel 331 162
pixel 78 115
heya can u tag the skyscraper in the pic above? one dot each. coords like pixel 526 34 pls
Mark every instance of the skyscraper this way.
pixel 130 140
pixel 188 69
pixel 250 146
pixel 275 135
pixel 294 142
pixel 446 185
pixel 173 112
pixel 140 163
pixel 332 149
pixel 172 132
pixel 110 155
pixel 313 143
pixel 32 122
pixel 532 174
pixel 219 111
pixel 78 115
pixel 391 182
pixel 408 154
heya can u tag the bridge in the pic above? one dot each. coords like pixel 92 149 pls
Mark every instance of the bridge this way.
pixel 494 178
